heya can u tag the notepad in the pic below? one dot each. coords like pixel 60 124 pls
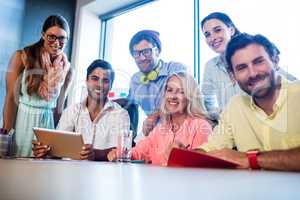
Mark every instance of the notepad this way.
pixel 186 158
pixel 64 144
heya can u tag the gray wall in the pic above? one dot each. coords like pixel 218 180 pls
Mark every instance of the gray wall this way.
pixel 11 22
pixel 20 25
pixel 36 11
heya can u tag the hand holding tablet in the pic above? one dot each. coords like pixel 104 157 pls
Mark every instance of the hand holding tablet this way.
pixel 57 143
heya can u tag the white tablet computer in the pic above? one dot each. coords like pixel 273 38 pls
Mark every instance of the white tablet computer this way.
pixel 64 144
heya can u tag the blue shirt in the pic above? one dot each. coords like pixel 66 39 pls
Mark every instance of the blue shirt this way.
pixel 216 81
pixel 149 95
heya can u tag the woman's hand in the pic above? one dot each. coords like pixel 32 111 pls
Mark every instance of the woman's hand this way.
pixel 112 155
pixel 40 150
pixel 87 152
pixel 176 144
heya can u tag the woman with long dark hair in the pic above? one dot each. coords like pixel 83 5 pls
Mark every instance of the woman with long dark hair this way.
pixel 218 30
pixel 36 83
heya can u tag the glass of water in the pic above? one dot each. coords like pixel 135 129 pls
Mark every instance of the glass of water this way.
pixel 124 145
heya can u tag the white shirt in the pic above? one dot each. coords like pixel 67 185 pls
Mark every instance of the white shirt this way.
pixel 103 131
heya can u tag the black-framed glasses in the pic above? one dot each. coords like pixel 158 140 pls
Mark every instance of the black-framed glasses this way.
pixel 52 38
pixel 146 52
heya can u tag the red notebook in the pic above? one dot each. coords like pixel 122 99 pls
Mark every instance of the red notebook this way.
pixel 187 158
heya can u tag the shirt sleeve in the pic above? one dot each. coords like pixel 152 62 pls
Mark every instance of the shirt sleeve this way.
pixel 142 151
pixel 131 93
pixel 207 85
pixel 67 120
pixel 222 136
pixel 175 67
pixel 202 131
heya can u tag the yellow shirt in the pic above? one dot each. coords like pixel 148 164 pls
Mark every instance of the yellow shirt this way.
pixel 247 127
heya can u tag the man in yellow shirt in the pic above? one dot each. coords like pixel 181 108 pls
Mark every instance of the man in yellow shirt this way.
pixel 264 126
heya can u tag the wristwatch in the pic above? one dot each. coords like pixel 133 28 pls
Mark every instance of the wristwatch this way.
pixel 252 158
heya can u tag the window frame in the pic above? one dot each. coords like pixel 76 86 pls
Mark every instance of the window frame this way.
pixel 104 38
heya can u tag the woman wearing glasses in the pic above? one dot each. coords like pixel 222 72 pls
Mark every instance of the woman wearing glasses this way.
pixel 36 83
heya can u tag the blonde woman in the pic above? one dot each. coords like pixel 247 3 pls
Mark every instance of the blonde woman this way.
pixel 183 122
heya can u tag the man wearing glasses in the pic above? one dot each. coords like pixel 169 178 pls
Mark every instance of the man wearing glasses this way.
pixel 147 84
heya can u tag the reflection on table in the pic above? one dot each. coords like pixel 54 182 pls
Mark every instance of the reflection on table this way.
pixel 57 179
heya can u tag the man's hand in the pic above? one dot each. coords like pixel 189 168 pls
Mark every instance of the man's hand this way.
pixel 176 144
pixel 233 156
pixel 87 152
pixel 112 155
pixel 39 150
pixel 150 122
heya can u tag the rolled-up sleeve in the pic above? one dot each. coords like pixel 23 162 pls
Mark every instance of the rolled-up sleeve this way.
pixel 222 136
pixel 67 120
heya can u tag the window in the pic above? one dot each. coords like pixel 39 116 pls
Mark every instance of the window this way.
pixel 277 20
pixel 174 20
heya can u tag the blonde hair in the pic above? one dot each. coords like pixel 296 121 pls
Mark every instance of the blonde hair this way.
pixel 192 93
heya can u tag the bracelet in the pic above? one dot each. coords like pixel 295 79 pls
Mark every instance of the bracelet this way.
pixel 252 158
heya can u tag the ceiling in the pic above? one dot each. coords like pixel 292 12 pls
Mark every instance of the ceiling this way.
pixel 100 7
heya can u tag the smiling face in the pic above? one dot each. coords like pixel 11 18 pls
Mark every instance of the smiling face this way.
pixel 148 61
pixel 98 84
pixel 254 70
pixel 55 40
pixel 217 35
pixel 175 98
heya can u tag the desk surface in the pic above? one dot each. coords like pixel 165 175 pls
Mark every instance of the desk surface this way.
pixel 55 180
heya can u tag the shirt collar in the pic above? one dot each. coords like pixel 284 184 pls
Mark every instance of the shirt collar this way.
pixel 279 101
pixel 107 106
pixel 221 64
pixel 162 70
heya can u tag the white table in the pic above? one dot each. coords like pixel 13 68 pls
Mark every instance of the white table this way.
pixel 55 180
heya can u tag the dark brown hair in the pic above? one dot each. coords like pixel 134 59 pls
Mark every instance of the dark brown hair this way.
pixel 33 54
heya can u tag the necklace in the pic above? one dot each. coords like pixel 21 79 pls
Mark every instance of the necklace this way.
pixel 174 127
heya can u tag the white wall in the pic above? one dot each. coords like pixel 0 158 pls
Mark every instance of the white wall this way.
pixel 85 49
pixel 86 43
pixel 278 20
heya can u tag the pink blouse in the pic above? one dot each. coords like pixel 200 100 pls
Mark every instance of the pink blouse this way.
pixel 192 133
